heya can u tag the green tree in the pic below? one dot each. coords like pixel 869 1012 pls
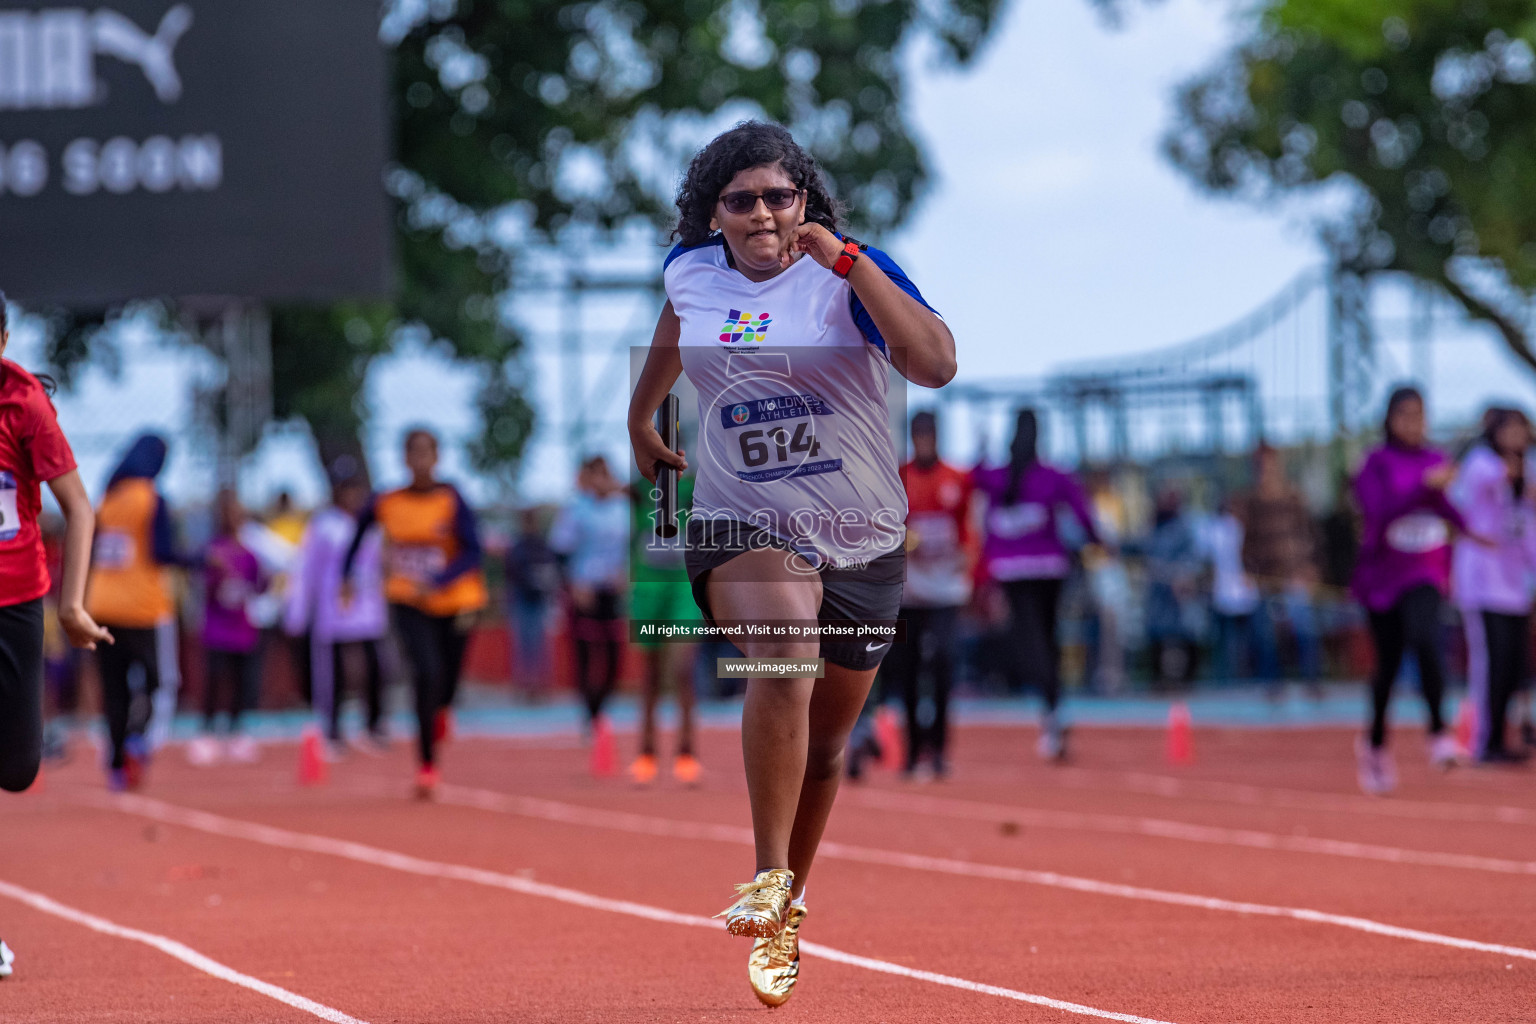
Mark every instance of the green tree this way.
pixel 1426 107
pixel 525 123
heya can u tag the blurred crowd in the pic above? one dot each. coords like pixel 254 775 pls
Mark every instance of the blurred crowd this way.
pixel 1020 576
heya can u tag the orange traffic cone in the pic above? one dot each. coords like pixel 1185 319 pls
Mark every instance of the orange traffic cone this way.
pixel 1181 739
pixel 893 753
pixel 1464 724
pixel 605 756
pixel 312 766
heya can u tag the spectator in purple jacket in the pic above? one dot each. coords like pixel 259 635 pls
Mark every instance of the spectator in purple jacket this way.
pixel 1023 551
pixel 231 578
pixel 1402 576
pixel 1492 583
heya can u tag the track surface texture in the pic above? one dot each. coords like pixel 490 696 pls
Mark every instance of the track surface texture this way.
pixel 1254 885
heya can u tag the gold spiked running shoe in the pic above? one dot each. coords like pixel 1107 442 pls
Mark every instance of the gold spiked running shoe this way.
pixel 760 904
pixel 774 964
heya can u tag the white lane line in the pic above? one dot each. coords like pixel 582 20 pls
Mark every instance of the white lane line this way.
pixel 573 814
pixel 886 967
pixel 269 835
pixel 172 948
pixel 1160 828
pixel 1291 799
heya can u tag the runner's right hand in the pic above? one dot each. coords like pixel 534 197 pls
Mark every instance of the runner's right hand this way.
pixel 81 629
pixel 1439 477
pixel 651 451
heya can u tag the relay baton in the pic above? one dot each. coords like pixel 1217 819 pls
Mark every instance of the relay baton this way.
pixel 666 476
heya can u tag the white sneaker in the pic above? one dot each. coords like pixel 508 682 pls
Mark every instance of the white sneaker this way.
pixel 203 751
pixel 1375 769
pixel 1052 744
pixel 370 744
pixel 244 750
pixel 1445 753
pixel 7 958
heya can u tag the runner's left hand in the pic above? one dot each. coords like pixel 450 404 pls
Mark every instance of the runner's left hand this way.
pixel 819 243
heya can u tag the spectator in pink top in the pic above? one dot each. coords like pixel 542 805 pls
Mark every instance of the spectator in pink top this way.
pixel 1492 583
pixel 316 605
pixel 1402 576
pixel 231 577
pixel 1025 554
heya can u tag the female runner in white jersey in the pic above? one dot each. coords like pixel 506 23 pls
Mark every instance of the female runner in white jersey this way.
pixel 786 329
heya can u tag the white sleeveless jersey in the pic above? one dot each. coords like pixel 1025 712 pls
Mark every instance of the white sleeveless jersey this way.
pixel 795 434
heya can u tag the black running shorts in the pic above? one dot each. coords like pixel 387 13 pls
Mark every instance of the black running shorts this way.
pixel 870 594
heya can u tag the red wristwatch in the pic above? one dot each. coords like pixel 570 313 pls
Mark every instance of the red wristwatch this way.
pixel 846 260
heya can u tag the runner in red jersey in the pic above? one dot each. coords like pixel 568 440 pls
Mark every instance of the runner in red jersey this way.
pixel 33 451
pixel 940 553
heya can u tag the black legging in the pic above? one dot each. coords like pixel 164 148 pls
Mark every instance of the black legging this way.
pixel 1507 637
pixel 238 673
pixel 1033 605
pixel 595 638
pixel 434 646
pixel 931 642
pixel 373 684
pixel 1412 624
pixel 21 694
pixel 127 712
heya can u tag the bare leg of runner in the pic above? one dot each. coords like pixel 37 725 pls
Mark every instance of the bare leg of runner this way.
pixel 682 675
pixel 775 721
pixel 835 706
pixel 650 696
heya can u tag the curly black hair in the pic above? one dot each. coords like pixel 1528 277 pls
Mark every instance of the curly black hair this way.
pixel 749 144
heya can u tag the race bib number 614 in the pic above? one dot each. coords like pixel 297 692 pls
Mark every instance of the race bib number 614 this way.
pixel 778 437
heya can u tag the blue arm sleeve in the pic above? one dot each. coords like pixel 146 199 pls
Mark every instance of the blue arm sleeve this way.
pixel 467 532
pixel 861 317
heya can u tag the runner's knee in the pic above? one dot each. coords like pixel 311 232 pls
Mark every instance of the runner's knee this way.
pixel 825 762
pixel 775 648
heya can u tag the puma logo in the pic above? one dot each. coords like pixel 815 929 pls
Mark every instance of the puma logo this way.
pixel 114 34
pixel 48 57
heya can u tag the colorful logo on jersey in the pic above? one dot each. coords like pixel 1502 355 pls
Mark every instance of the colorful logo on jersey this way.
pixel 745 327
pixel 741 414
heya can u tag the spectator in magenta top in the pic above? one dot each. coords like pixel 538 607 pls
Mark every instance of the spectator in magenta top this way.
pixel 1023 551
pixel 231 577
pixel 1402 576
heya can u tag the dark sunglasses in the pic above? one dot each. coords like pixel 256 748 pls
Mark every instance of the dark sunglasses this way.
pixel 745 202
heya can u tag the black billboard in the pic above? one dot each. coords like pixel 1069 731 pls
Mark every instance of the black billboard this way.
pixel 192 147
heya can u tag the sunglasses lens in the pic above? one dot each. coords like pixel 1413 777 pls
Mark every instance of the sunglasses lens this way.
pixel 745 202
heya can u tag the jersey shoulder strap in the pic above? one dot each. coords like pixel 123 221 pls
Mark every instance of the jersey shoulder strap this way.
pixel 714 241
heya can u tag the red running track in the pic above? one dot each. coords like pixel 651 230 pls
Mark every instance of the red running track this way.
pixel 1252 886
